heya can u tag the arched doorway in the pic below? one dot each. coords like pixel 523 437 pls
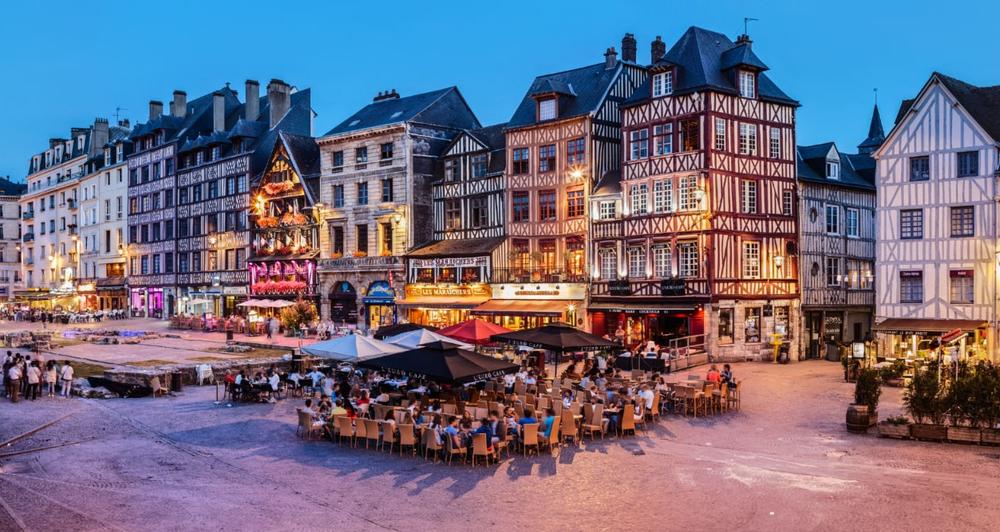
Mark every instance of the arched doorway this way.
pixel 380 304
pixel 344 303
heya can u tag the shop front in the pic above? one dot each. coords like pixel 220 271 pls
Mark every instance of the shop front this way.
pixel 442 305
pixel 343 304
pixel 379 305
pixel 524 306
pixel 147 302
pixel 640 322
pixel 447 280
pixel 912 339
pixel 86 290
pixel 111 293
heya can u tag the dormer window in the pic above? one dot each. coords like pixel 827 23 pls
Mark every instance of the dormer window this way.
pixel 663 84
pixel 107 156
pixel 833 170
pixel 748 84
pixel 547 109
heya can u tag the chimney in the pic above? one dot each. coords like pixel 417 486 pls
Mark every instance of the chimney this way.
pixel 744 39
pixel 252 97
pixel 155 109
pixel 279 99
pixel 610 58
pixel 179 106
pixel 100 133
pixel 657 50
pixel 125 123
pixel 218 111
pixel 386 95
pixel 628 48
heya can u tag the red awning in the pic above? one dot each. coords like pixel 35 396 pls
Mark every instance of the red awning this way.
pixel 929 327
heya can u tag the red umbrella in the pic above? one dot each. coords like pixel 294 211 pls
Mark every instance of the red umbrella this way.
pixel 474 331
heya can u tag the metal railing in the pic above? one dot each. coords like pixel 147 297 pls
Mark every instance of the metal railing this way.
pixel 537 275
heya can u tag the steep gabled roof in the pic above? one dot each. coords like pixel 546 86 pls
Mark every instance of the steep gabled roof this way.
pixel 811 166
pixel 10 188
pixel 443 107
pixel 581 91
pixel 304 153
pixel 876 135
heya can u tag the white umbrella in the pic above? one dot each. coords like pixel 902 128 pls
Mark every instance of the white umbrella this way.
pixel 351 348
pixel 419 337
pixel 199 302
pixel 281 304
pixel 249 303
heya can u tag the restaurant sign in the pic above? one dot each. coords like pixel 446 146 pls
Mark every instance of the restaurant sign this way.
pixel 619 287
pixel 672 287
pixel 460 290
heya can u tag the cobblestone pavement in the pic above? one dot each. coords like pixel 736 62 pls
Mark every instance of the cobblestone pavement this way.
pixel 784 462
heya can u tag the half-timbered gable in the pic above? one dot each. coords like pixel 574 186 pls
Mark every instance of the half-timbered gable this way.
pixel 469 190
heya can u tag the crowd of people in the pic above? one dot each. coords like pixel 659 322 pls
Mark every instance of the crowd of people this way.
pixel 34 315
pixel 27 377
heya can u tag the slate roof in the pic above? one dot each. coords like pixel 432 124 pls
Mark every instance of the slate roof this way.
pixel 456 248
pixel 493 138
pixel 609 184
pixel 876 135
pixel 10 188
pixel 983 103
pixel 811 162
pixel 443 107
pixel 197 120
pixel 702 58
pixel 304 152
pixel 581 90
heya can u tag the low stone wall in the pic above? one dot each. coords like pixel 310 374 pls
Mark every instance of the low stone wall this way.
pixel 189 372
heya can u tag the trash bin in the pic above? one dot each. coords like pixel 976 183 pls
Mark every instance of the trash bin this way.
pixel 176 381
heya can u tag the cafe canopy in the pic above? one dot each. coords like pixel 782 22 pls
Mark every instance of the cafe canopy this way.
pixel 398 328
pixel 474 331
pixel 560 337
pixel 442 362
pixel 351 348
pixel 421 337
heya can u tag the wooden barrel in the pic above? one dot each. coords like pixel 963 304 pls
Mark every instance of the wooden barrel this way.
pixel 857 418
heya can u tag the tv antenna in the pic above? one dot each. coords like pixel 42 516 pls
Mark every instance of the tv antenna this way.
pixel 746 24
pixel 118 113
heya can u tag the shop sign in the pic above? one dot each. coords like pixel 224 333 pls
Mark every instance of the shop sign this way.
pixel 672 287
pixel 448 261
pixel 858 350
pixel 86 287
pixel 552 291
pixel 234 290
pixel 460 290
pixel 619 287
pixel 380 293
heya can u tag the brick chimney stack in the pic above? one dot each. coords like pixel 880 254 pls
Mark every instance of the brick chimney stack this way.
pixel 657 50
pixel 252 96
pixel 179 106
pixel 279 99
pixel 610 58
pixel 155 109
pixel 628 48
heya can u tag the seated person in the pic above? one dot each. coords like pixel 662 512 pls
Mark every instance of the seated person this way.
pixel 548 423
pixel 485 428
pixel 313 415
pixel 451 431
pixel 529 417
pixel 727 376
pixel 338 408
pixel 713 375
pixel 382 398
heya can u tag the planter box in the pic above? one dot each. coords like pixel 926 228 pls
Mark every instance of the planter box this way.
pixel 991 436
pixel 896 383
pixel 920 431
pixel 964 434
pixel 899 432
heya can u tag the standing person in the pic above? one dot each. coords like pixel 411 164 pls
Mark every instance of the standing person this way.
pixel 66 375
pixel 34 378
pixel 14 382
pixel 267 327
pixel 51 376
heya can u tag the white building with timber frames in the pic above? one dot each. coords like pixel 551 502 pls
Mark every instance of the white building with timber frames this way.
pixel 937 223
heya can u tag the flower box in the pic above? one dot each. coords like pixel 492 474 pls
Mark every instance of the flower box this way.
pixel 964 434
pixel 889 430
pixel 990 436
pixel 921 431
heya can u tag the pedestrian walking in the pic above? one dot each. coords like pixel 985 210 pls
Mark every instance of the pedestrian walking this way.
pixel 66 375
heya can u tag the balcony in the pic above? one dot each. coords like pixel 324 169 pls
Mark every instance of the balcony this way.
pixel 28 237
pixel 536 275
pixel 71 203
pixel 28 261
pixel 607 229
pixel 28 214
pixel 73 229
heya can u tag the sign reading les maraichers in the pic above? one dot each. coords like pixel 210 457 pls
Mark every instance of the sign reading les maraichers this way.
pixel 478 290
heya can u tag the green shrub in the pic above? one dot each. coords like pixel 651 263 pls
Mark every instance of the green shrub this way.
pixel 925 397
pixel 868 389
pixel 897 420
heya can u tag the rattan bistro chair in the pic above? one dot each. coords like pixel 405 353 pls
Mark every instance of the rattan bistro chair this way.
pixel 480 448
pixel 529 437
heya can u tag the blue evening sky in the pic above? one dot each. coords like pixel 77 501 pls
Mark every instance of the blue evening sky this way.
pixel 66 62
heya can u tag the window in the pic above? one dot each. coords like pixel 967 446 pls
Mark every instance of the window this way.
pixel 833 271
pixel 911 224
pixel 690 134
pixel 546 205
pixel 338 196
pixel 338 159
pixel 362 244
pixel 867 277
pixel 479 165
pixel 168 263
pixel 362 193
pixel 547 109
pixel 663 196
pixel 968 163
pixel 385 151
pixel 911 287
pixel 387 189
pixel 747 83
pixel 521 206
pixel 638 199
pixel 452 214
pixel 479 212
pixel 636 261
pixel 662 261
pixel 574 203
pixel 638 144
pixel 361 155
pixel 337 236
pixel 775 143
pixel 748 139
pixel 832 220
pixel 522 161
pixel 520 254
pixel 575 151
pixel 452 170
pixel 688 190
pixel 688 261
pixel 962 288
pixel 751 260
pixel 720 134
pixel 725 326
pixel 606 210
pixel 963 221
pixel 547 158
pixel 920 168
pixel 749 197
pixel 663 139
pixel 608 258
pixel 833 169
pixel 852 216
pixel 663 84
pixel 547 250
pixel 787 202
pixel 751 324
pixel 385 248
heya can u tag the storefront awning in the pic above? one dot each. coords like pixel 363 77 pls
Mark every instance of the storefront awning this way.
pixel 522 307
pixel 448 302
pixel 638 308
pixel 908 326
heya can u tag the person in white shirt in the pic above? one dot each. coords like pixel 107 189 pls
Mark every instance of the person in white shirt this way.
pixel 328 384
pixel 647 397
pixel 51 377
pixel 66 375
pixel 34 377
pixel 316 376
pixel 14 382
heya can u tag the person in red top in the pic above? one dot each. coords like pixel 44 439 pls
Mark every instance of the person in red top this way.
pixel 713 375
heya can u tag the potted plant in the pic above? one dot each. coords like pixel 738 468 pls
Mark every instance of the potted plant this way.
pixel 988 398
pixel 895 427
pixel 893 375
pixel 863 413
pixel 962 398
pixel 924 400
pixel 297 315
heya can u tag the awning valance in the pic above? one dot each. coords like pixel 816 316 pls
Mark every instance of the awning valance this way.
pixel 638 308
pixel 522 307
pixel 932 327
pixel 452 302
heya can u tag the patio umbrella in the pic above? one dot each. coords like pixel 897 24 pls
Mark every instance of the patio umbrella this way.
pixel 558 337
pixel 281 304
pixel 421 337
pixel 199 302
pixel 393 330
pixel 351 348
pixel 475 331
pixel 249 303
pixel 443 362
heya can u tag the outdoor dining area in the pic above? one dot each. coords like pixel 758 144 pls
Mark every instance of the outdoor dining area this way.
pixel 424 393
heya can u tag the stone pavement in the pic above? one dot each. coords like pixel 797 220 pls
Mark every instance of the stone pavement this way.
pixel 784 463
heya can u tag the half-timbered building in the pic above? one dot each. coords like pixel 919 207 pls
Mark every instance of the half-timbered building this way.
pixel 836 206
pixel 937 223
pixel 563 137
pixel 377 169
pixel 703 250
pixel 449 275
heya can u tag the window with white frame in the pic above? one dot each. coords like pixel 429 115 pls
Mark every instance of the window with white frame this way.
pixel 775 138
pixel 639 199
pixel 911 286
pixel 787 202
pixel 662 195
pixel 547 109
pixel 609 263
pixel 748 139
pixel 962 289
pixel 663 84
pixel 638 144
pixel 851 217
pixel 749 196
pixel 688 192
pixel 747 84
pixel 832 220
pixel 663 139
pixel 751 260
pixel 833 271
pixel 606 210
pixel 662 261
pixel 688 261
pixel 636 261
pixel 720 134
pixel 833 170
